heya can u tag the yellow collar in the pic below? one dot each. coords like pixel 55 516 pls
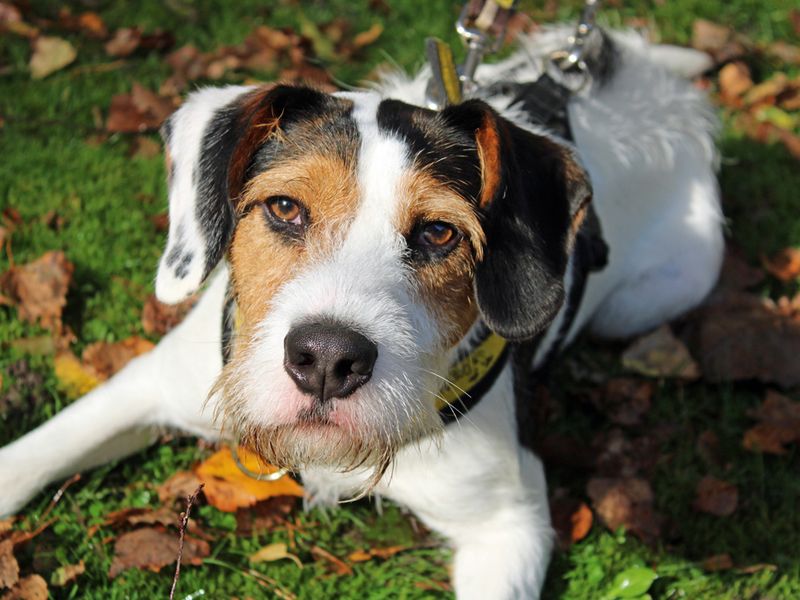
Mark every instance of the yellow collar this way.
pixel 471 377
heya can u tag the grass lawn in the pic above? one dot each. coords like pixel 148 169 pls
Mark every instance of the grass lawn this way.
pixel 50 161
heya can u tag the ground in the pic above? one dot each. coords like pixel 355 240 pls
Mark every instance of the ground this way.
pixel 54 162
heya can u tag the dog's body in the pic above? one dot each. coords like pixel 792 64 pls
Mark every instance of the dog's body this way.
pixel 645 138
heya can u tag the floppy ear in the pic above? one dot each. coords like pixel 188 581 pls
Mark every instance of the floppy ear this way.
pixel 209 143
pixel 534 197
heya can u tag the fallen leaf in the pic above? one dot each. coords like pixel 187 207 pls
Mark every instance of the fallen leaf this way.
pixel 734 81
pixel 380 553
pixel 141 110
pixel 757 568
pixel 779 424
pixel 660 354
pixel 33 587
pixel 624 400
pixel 738 336
pixel 9 13
pixel 273 552
pixel 104 358
pixel 92 24
pixel 39 288
pixel 716 497
pixel 265 515
pixel 708 36
pixel 370 36
pixel 338 566
pixel 582 520
pixel 142 516
pixel 159 318
pixel 617 455
pixel 784 265
pixel 178 487
pixel 152 549
pixel 144 147
pixel 6 524
pixel 74 379
pixel 124 42
pixel 626 502
pixel 50 54
pixel 67 574
pixel 767 91
pixel 718 562
pixel 228 488
pixel 9 568
pixel 785 52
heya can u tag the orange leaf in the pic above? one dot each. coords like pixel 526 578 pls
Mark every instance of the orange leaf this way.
pixel 370 553
pixel 73 377
pixel 785 265
pixel 582 520
pixel 228 488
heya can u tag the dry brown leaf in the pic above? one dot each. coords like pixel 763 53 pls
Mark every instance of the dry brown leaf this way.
pixel 265 515
pixel 718 562
pixel 734 81
pixel 159 318
pixel 707 448
pixel 9 568
pixel 757 568
pixel 178 487
pixel 709 36
pixel 33 587
pixel 626 502
pixel 716 497
pixel 144 147
pixel 786 52
pixel 380 553
pixel 125 42
pixel 767 91
pixel 67 574
pixel 141 110
pixel 779 424
pixel 660 354
pixel 92 24
pixel 338 566
pixel 104 358
pixel 785 264
pixel 739 336
pixel 9 13
pixel 153 548
pixel 6 524
pixel 39 288
pixel 228 488
pixel 50 54
pixel 142 516
pixel 273 552
pixel 624 400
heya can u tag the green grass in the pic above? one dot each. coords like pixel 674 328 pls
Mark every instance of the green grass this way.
pixel 106 198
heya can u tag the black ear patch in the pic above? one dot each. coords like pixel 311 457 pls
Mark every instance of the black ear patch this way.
pixel 533 198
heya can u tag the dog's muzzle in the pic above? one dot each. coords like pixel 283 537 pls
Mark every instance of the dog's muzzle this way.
pixel 328 360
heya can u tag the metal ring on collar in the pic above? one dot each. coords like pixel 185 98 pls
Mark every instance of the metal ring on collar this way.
pixel 258 476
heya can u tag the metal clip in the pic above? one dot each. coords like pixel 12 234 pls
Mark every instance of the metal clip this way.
pixel 569 65
pixel 444 86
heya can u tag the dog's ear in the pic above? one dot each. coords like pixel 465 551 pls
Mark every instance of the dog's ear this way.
pixel 534 196
pixel 209 143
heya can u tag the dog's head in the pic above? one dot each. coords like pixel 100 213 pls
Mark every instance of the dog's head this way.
pixel 365 237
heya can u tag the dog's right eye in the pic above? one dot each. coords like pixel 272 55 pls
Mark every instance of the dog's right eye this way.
pixel 286 215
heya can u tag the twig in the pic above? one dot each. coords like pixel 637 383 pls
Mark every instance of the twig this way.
pixel 58 495
pixel 190 500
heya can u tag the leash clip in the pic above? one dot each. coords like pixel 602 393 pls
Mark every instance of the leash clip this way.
pixel 482 26
pixel 569 66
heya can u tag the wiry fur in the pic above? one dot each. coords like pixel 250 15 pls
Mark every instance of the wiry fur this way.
pixel 645 137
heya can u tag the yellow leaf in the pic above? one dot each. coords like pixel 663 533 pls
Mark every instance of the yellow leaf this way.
pixel 273 552
pixel 73 378
pixel 49 55
pixel 228 488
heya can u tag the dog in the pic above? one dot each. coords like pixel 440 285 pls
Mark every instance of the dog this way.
pixel 357 246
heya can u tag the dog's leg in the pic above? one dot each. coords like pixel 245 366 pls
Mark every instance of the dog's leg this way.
pixel 165 387
pixel 488 496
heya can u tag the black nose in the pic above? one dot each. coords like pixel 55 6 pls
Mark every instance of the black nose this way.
pixel 328 360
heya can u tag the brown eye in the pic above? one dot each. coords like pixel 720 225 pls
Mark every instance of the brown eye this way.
pixel 438 234
pixel 285 209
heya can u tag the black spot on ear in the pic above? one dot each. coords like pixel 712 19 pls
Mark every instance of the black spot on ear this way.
pixel 182 270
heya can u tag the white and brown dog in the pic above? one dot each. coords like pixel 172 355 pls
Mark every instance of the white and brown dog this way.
pixel 365 246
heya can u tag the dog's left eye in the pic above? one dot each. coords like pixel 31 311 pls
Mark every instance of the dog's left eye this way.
pixel 434 237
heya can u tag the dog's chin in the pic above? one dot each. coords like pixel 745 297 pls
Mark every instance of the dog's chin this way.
pixel 315 441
